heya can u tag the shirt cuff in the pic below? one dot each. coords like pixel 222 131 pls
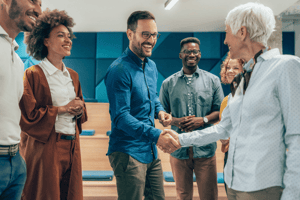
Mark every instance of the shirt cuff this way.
pixel 156 134
pixel 184 140
pixel 156 114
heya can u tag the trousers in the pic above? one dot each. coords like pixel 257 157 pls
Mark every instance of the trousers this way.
pixel 135 179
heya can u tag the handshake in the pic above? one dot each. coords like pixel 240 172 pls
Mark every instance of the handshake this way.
pixel 168 141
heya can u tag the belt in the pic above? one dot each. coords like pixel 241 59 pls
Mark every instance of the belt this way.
pixel 9 149
pixel 68 137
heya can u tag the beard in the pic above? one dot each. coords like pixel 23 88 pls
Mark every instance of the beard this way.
pixel 15 10
pixel 14 13
pixel 137 48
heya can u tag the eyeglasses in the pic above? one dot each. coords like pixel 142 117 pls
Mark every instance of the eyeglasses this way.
pixel 147 35
pixel 188 52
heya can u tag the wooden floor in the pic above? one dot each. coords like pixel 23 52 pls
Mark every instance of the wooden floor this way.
pixel 93 153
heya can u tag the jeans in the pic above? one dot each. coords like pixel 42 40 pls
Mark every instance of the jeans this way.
pixel 12 176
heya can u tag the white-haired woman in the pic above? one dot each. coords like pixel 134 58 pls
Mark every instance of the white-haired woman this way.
pixel 262 115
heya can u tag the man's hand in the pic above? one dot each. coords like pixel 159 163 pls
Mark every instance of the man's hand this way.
pixel 168 141
pixel 164 118
pixel 191 123
pixel 177 121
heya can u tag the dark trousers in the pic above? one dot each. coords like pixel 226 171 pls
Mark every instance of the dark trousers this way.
pixel 271 193
pixel 225 161
pixel 136 179
pixel 206 177
pixel 12 176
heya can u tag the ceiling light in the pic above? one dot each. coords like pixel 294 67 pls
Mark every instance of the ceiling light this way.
pixel 169 4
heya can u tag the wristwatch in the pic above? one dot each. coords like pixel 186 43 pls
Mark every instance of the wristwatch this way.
pixel 205 120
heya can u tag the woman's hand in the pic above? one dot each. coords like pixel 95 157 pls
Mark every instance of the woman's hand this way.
pixel 74 107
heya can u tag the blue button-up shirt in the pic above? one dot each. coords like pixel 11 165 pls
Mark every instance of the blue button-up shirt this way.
pixel 134 103
pixel 262 124
pixel 199 95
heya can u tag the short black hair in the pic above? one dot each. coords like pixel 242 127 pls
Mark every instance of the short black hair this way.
pixel 137 15
pixel 189 40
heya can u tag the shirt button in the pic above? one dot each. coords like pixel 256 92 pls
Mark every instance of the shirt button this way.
pixel 189 94
pixel 149 116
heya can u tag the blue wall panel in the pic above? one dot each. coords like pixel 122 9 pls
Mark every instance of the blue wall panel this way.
pixel 216 69
pixel 170 46
pixel 92 53
pixel 101 93
pixel 29 62
pixel 209 44
pixel 109 45
pixel 160 80
pixel 224 48
pixel 84 45
pixel 101 68
pixel 125 41
pixel 207 64
pixel 86 70
pixel 167 67
pixel 22 46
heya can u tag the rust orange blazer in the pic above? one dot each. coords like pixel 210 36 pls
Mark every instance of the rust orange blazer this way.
pixel 38 139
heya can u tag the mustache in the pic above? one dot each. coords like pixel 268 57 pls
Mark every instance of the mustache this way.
pixel 147 43
pixel 33 13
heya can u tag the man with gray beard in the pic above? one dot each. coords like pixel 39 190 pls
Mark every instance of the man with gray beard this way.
pixel 16 16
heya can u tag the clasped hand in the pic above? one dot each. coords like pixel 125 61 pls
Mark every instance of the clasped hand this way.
pixel 75 107
pixel 189 123
pixel 168 141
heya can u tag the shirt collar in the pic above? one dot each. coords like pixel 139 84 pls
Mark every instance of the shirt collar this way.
pixel 269 54
pixel 135 58
pixel 51 69
pixel 6 36
pixel 2 31
pixel 266 55
pixel 197 72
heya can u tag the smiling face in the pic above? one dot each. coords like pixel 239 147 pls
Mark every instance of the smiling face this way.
pixel 140 46
pixel 24 13
pixel 190 61
pixel 233 68
pixel 59 43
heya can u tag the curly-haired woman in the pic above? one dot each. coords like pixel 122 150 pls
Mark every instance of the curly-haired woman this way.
pixel 229 68
pixel 52 113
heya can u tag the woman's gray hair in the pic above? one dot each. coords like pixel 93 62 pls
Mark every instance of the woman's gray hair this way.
pixel 257 18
